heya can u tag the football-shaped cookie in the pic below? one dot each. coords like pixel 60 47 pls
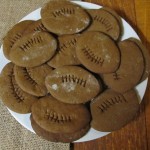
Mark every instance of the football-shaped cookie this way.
pixel 59 122
pixel 105 21
pixel 12 95
pixel 98 52
pixel 66 54
pixel 72 84
pixel 64 17
pixel 111 110
pixel 130 70
pixel 32 80
pixel 33 49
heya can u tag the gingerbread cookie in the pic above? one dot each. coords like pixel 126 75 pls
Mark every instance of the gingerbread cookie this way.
pixel 146 57
pixel 14 35
pixel 72 84
pixel 33 49
pixel 98 52
pixel 59 122
pixel 111 110
pixel 32 80
pixel 106 22
pixel 66 54
pixel 12 95
pixel 64 17
pixel 130 70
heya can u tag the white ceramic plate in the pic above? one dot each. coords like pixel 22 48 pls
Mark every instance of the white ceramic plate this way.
pixel 92 134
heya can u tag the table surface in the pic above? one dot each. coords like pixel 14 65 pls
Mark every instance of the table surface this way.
pixel 136 135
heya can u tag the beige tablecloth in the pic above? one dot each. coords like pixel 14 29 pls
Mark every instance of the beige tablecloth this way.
pixel 14 136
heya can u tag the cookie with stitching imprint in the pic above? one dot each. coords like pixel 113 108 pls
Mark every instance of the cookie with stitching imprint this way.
pixel 33 49
pixel 59 122
pixel 32 80
pixel 104 21
pixel 146 56
pixel 98 52
pixel 130 70
pixel 64 17
pixel 114 13
pixel 72 84
pixel 12 95
pixel 66 54
pixel 111 110
pixel 34 27
pixel 14 35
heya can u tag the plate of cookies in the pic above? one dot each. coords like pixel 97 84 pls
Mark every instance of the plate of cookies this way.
pixel 73 71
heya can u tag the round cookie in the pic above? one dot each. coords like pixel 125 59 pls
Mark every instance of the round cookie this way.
pixel 32 80
pixel 72 84
pixel 34 27
pixel 98 52
pixel 106 22
pixel 14 35
pixel 66 54
pixel 33 49
pixel 59 122
pixel 64 17
pixel 111 110
pixel 11 94
pixel 130 70
pixel 146 57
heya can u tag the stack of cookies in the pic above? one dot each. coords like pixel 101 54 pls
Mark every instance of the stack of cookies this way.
pixel 71 71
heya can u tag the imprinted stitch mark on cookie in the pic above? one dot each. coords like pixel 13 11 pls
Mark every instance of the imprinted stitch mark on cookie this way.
pixel 68 44
pixel 16 91
pixel 103 21
pixel 40 27
pixel 63 11
pixel 74 79
pixel 28 76
pixel 116 76
pixel 57 118
pixel 107 103
pixel 31 42
pixel 93 58
pixel 14 39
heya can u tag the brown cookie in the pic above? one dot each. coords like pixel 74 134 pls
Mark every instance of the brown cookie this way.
pixel 146 56
pixel 33 49
pixel 64 17
pixel 104 21
pixel 72 84
pixel 34 27
pixel 114 13
pixel 98 52
pixel 66 54
pixel 59 122
pixel 130 69
pixel 111 110
pixel 11 94
pixel 14 35
pixel 32 80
